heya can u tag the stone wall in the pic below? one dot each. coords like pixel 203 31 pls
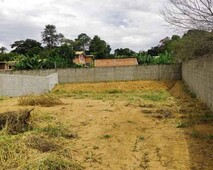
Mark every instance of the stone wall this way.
pixel 198 75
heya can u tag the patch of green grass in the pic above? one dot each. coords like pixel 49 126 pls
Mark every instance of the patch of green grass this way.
pixel 59 92
pixel 58 131
pixel 202 136
pixel 156 95
pixel 106 136
pixel 141 138
pixel 54 162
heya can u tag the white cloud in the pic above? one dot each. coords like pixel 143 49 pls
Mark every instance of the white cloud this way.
pixel 122 23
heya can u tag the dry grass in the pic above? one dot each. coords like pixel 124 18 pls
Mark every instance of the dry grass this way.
pixel 42 100
pixel 14 122
pixel 41 143
pixel 119 125
pixel 126 86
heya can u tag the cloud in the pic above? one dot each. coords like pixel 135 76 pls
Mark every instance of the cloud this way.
pixel 122 23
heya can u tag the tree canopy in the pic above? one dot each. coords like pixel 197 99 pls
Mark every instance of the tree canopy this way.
pixel 50 37
pixel 124 52
pixel 82 43
pixel 26 47
pixel 99 48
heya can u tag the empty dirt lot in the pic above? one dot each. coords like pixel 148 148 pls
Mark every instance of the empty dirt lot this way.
pixel 121 125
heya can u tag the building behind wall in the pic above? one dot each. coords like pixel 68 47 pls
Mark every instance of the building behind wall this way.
pixel 5 65
pixel 82 59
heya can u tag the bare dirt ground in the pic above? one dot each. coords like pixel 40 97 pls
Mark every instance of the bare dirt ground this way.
pixel 123 125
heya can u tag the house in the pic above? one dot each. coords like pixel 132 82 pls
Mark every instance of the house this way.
pixel 82 59
pixel 116 62
pixel 6 65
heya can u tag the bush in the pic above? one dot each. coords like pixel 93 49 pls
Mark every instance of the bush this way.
pixel 164 58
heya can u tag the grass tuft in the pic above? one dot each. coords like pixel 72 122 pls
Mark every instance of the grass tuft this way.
pixel 42 100
pixel 106 136
pixel 54 162
pixel 58 131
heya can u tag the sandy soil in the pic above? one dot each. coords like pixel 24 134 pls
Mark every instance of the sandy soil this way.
pixel 129 135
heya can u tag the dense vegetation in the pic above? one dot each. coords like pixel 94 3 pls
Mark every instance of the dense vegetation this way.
pixel 58 51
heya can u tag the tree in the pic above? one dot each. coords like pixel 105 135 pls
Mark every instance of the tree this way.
pixel 50 37
pixel 190 14
pixel 3 49
pixel 82 42
pixel 99 48
pixel 193 44
pixel 124 52
pixel 28 47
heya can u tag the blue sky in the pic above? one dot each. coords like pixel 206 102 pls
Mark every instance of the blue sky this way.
pixel 121 23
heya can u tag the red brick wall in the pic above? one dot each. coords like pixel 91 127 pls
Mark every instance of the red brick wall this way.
pixel 116 62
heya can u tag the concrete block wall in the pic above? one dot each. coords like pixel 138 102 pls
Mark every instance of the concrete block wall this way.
pixel 198 75
pixel 80 75
pixel 156 72
pixel 19 85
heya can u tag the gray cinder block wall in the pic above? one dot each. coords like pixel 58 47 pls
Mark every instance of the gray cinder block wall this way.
pixel 198 75
pixel 19 85
pixel 156 72
pixel 80 75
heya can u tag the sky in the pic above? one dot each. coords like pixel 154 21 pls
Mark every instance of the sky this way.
pixel 135 24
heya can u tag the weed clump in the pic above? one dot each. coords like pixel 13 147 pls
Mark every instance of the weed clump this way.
pixel 54 162
pixel 42 100
pixel 106 136
pixel 58 131
pixel 15 122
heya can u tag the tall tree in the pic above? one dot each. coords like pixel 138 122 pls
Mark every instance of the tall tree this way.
pixel 50 37
pixel 3 49
pixel 99 48
pixel 82 42
pixel 26 47
pixel 190 14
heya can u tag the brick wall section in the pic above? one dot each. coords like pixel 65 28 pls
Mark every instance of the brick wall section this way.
pixel 198 75
pixel 116 62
